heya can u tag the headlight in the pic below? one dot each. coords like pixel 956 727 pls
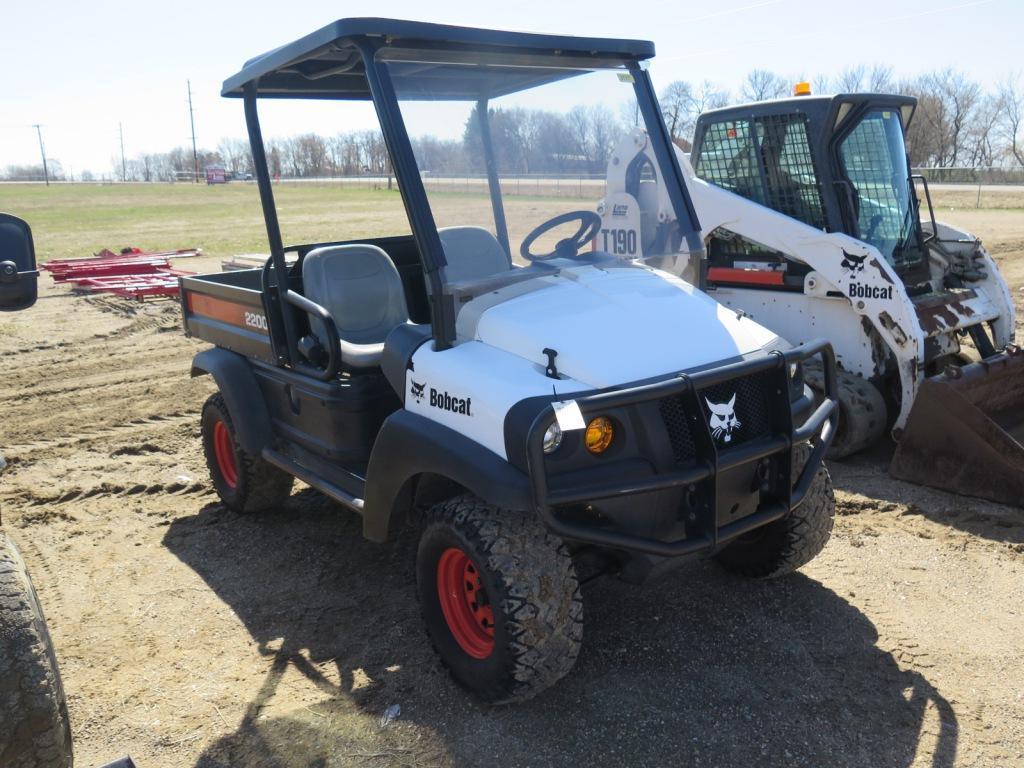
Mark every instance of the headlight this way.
pixel 552 437
pixel 599 434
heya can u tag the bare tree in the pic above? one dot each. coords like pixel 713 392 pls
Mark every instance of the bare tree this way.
pixel 1010 127
pixel 982 132
pixel 761 84
pixel 682 104
pixel 947 105
pixel 821 83
pixel 959 99
pixel 879 79
pixel 236 155
pixel 676 107
pixel 851 79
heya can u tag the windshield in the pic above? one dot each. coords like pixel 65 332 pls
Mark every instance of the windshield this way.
pixel 504 151
pixel 874 160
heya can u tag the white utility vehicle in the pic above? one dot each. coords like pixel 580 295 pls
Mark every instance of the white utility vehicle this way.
pixel 536 405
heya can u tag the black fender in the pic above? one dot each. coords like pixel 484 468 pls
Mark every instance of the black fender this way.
pixel 245 402
pixel 409 445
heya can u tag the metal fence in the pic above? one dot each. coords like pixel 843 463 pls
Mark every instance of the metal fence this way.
pixel 566 185
pixel 985 175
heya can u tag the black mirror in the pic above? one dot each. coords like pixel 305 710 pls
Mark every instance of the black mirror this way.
pixel 18 275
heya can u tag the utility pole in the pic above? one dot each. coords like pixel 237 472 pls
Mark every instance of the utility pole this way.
pixel 124 165
pixel 192 122
pixel 42 151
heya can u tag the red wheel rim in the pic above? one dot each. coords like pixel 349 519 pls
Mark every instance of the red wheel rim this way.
pixel 465 604
pixel 224 452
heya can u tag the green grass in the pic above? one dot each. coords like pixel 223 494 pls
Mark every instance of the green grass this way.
pixel 76 221
pixel 71 221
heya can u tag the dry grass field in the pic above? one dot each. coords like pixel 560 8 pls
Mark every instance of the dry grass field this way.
pixel 192 636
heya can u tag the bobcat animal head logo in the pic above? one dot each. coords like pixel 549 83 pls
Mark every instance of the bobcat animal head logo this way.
pixel 417 390
pixel 723 421
pixel 853 264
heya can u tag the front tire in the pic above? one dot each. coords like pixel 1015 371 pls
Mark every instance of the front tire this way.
pixel 34 728
pixel 781 547
pixel 500 599
pixel 244 482
pixel 863 414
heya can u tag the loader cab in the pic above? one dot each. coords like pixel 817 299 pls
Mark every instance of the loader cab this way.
pixel 837 163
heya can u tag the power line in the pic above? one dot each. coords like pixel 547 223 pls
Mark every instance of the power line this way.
pixel 42 151
pixel 124 165
pixel 192 122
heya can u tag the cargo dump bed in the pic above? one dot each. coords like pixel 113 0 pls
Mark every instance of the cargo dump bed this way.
pixel 226 309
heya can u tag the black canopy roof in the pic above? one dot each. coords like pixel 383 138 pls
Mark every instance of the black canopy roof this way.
pixel 328 63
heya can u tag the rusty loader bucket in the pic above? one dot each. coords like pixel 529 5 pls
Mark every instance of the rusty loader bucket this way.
pixel 965 432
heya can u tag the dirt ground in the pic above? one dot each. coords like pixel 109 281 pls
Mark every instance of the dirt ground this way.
pixel 192 636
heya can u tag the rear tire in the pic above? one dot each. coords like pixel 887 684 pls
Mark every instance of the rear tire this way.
pixel 500 599
pixel 781 547
pixel 863 414
pixel 34 728
pixel 245 483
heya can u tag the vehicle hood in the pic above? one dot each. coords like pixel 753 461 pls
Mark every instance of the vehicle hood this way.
pixel 614 325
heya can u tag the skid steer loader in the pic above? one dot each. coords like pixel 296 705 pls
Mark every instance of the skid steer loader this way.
pixel 812 224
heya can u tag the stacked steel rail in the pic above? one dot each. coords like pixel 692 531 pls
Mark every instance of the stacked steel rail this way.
pixel 132 273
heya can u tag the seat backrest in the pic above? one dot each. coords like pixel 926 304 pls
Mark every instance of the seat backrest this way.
pixel 471 253
pixel 359 285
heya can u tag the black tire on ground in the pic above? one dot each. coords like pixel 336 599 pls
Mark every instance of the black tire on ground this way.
pixel 783 546
pixel 511 592
pixel 245 483
pixel 34 727
pixel 863 415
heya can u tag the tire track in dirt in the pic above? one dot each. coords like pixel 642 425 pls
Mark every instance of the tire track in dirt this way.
pixel 83 385
pixel 28 499
pixel 19 451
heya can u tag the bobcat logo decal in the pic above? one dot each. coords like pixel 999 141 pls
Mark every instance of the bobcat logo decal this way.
pixel 723 421
pixel 417 390
pixel 853 264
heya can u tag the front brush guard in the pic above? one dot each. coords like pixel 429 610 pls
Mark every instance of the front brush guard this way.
pixel 709 461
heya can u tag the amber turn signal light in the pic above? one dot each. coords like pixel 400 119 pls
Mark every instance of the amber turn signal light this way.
pixel 599 434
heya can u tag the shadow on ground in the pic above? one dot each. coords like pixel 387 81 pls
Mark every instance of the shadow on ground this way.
pixel 697 669
pixel 867 474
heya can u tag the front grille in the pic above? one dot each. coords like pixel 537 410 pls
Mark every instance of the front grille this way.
pixel 673 413
pixel 750 408
pixel 747 418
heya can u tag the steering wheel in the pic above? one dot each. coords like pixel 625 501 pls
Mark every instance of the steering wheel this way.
pixel 568 248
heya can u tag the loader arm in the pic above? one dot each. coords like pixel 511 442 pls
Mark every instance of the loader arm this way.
pixel 873 291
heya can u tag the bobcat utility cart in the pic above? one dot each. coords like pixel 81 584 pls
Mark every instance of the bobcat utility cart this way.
pixel 492 376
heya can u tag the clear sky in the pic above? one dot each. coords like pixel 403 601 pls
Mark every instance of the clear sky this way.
pixel 80 68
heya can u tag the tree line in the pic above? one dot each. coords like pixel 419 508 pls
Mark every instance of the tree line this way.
pixel 958 123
